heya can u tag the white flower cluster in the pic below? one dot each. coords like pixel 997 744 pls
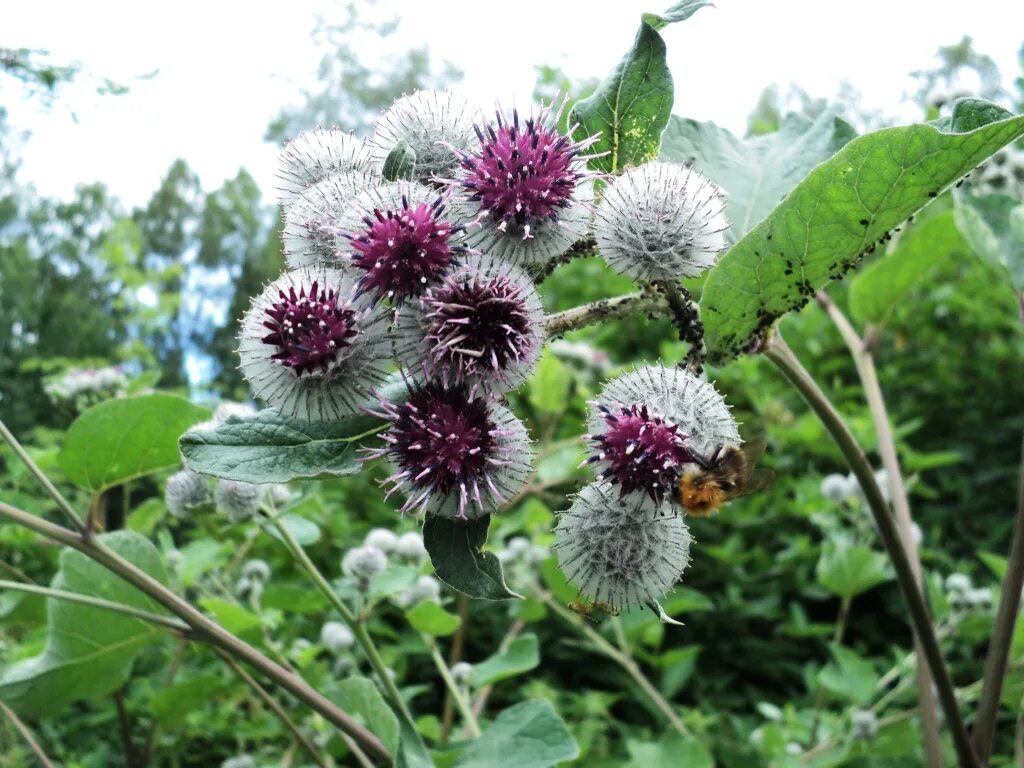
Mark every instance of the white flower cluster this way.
pixel 963 595
pixel 254 578
pixel 80 388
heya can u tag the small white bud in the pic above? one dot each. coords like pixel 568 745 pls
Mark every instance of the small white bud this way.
pixel 362 563
pixel 184 491
pixel 865 724
pixel 958 583
pixel 239 501
pixel 257 570
pixel 410 546
pixel 241 761
pixel 836 488
pixel 336 637
pixel 462 673
pixel 979 598
pixel 518 545
pixel 382 539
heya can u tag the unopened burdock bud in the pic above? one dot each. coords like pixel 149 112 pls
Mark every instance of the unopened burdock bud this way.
pixel 309 349
pixel 258 570
pixel 238 500
pixel 661 221
pixel 249 589
pixel 621 550
pixel 362 563
pixel 336 637
pixel 410 546
pixel 185 491
pixel 837 488
pixel 958 583
pixel 312 233
pixel 382 539
pixel 865 725
pixel 462 673
pixel 314 155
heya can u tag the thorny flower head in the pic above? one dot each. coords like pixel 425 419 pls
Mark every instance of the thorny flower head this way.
pixel 312 156
pixel 434 124
pixel 456 454
pixel 621 550
pixel 525 185
pixel 401 240
pixel 481 325
pixel 311 232
pixel 311 350
pixel 661 221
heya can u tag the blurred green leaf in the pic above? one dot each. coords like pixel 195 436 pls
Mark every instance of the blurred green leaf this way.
pixel 430 618
pixel 304 531
pixel 455 548
pixel 125 438
pixel 89 651
pixel 362 698
pixel 522 656
pixel 994 227
pixel 233 617
pixel 673 750
pixel 848 570
pixel 755 173
pixel 549 384
pixel 173 704
pixel 849 676
pixel 531 732
pixel 831 219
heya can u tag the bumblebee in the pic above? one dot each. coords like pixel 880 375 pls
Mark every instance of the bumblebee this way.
pixel 586 610
pixel 705 484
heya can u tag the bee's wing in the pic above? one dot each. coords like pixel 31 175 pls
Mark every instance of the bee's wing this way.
pixel 754 449
pixel 759 480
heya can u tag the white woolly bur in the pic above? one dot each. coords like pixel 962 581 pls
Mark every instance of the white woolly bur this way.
pixel 186 490
pixel 238 500
pixel 311 233
pixel 546 239
pixel 507 473
pixel 624 551
pixel 417 347
pixel 321 395
pixel 677 396
pixel 431 123
pixel 314 155
pixel 661 221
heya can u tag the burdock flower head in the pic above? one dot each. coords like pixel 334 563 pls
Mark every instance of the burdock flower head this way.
pixel 433 124
pixel 481 325
pixel 526 187
pixel 311 350
pixel 622 551
pixel 400 240
pixel 314 155
pixel 311 233
pixel 661 221
pixel 456 454
pixel 647 423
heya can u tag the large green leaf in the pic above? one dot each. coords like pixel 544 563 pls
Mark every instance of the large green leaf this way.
pixel 681 11
pixel 271 448
pixel 994 227
pixel 125 438
pixel 883 285
pixel 362 698
pixel 455 548
pixel 522 656
pixel 848 570
pixel 531 733
pixel 89 651
pixel 755 173
pixel 631 107
pixel 430 618
pixel 849 676
pixel 673 750
pixel 836 215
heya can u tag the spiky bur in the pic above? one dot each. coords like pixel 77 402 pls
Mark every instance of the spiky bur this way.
pixel 238 500
pixel 311 350
pixel 677 398
pixel 435 124
pixel 314 155
pixel 623 551
pixel 400 239
pixel 382 539
pixel 363 563
pixel 456 454
pixel 661 221
pixel 185 492
pixel 311 233
pixel 482 325
pixel 639 451
pixel 525 186
pixel 336 637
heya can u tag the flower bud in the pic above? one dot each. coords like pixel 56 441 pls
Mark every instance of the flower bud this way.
pixel 257 570
pixel 865 725
pixel 336 637
pixel 382 539
pixel 184 491
pixel 462 673
pixel 362 563
pixel 410 546
pixel 312 233
pixel 313 156
pixel 239 501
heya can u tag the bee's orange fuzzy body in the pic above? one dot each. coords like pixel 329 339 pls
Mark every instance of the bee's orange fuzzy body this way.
pixel 699 493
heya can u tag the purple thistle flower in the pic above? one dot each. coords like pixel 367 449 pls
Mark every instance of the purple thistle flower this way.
pixel 482 325
pixel 312 156
pixel 456 454
pixel 524 186
pixel 309 349
pixel 400 240
pixel 311 234
pixel 639 451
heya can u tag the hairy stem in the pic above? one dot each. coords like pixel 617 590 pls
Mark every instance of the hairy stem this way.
pixel 275 707
pixel 603 309
pixel 687 320
pixel 26 734
pixel 1002 635
pixel 624 661
pixel 865 364
pixel 585 247
pixel 457 695
pixel 348 616
pixel 204 628
pixel 782 356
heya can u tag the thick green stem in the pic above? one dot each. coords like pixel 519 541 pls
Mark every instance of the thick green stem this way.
pixel 205 628
pixel 348 616
pixel 457 695
pixel 865 364
pixel 1002 635
pixel 782 356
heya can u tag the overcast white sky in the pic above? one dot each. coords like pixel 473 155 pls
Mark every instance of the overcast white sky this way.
pixel 225 67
